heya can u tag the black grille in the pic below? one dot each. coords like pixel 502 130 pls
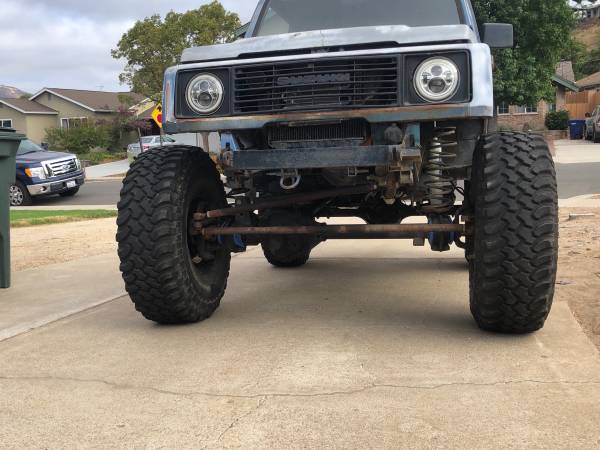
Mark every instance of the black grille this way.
pixel 314 85
pixel 348 132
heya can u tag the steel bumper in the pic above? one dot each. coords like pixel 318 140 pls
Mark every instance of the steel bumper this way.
pixel 317 158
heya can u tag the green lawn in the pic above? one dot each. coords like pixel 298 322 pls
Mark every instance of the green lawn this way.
pixel 32 218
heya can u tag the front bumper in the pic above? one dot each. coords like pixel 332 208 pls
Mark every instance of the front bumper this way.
pixel 55 187
pixel 320 158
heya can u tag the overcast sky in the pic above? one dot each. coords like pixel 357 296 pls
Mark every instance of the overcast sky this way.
pixel 67 43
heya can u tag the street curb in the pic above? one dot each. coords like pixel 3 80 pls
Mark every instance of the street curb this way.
pixel 64 208
pixel 34 325
pixel 104 179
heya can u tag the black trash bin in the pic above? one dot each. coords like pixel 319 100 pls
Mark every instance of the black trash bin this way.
pixel 576 129
pixel 9 144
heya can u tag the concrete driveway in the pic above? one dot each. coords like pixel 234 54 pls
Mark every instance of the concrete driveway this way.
pixel 368 346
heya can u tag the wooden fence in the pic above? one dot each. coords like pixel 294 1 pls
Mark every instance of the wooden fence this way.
pixel 579 103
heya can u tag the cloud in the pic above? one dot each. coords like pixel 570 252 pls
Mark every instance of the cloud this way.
pixel 67 43
pixel 136 9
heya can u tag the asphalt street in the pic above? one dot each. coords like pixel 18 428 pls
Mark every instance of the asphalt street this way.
pixel 573 180
pixel 348 352
pixel 578 179
pixel 91 193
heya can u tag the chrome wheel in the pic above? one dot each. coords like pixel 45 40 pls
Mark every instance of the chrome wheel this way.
pixel 15 195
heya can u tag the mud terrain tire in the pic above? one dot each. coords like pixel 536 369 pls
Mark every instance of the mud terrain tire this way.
pixel 514 263
pixel 160 193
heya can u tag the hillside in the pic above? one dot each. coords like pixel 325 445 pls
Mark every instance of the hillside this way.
pixel 10 92
pixel 588 33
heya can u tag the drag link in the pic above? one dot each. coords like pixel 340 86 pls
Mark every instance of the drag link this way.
pixel 285 201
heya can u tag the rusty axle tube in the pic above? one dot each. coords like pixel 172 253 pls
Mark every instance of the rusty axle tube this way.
pixel 399 231
pixel 288 200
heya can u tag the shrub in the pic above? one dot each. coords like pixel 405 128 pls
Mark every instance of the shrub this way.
pixel 120 125
pixel 557 120
pixel 77 139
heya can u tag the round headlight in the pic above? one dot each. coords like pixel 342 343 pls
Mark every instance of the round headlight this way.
pixel 437 79
pixel 205 93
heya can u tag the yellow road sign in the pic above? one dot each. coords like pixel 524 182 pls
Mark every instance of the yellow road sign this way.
pixel 157 115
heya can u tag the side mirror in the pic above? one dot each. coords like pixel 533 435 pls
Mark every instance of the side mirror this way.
pixel 498 35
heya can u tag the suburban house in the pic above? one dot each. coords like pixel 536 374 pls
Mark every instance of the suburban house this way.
pixel 532 117
pixel 588 12
pixel 27 117
pixel 77 106
pixel 53 107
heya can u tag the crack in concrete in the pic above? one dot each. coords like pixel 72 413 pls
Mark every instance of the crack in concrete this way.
pixel 267 395
pixel 236 421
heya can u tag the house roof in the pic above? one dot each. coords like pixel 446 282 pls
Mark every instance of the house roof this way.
pixel 26 106
pixel 96 101
pixel 241 31
pixel 589 81
pixel 147 113
pixel 570 85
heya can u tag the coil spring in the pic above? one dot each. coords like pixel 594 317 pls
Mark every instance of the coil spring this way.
pixel 439 186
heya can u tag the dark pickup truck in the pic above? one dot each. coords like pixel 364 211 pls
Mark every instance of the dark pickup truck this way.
pixel 41 173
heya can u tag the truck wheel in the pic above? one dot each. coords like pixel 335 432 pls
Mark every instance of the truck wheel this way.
pixel 70 192
pixel 172 276
pixel 18 195
pixel 514 262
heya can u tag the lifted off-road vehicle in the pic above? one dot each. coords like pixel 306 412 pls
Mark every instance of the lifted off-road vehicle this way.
pixel 375 109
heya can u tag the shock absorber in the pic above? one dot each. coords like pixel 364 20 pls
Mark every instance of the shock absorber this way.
pixel 439 186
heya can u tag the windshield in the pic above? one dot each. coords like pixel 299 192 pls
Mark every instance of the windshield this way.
pixel 291 16
pixel 148 140
pixel 29 147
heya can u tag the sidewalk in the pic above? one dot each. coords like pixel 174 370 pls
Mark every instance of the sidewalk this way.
pixel 43 295
pixel 576 152
pixel 583 201
pixel 107 170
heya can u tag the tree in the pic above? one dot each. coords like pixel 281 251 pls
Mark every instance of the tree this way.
pixel 153 44
pixel 542 36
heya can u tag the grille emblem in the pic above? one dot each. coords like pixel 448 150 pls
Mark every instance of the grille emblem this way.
pixel 314 79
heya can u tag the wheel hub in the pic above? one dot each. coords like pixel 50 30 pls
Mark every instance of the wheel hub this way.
pixel 15 196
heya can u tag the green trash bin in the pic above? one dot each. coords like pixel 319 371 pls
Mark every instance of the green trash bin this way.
pixel 9 144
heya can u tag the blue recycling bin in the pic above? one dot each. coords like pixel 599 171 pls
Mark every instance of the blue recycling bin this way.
pixel 576 129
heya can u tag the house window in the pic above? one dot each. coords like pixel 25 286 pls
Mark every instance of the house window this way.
pixel 527 109
pixel 73 122
pixel 6 123
pixel 503 108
